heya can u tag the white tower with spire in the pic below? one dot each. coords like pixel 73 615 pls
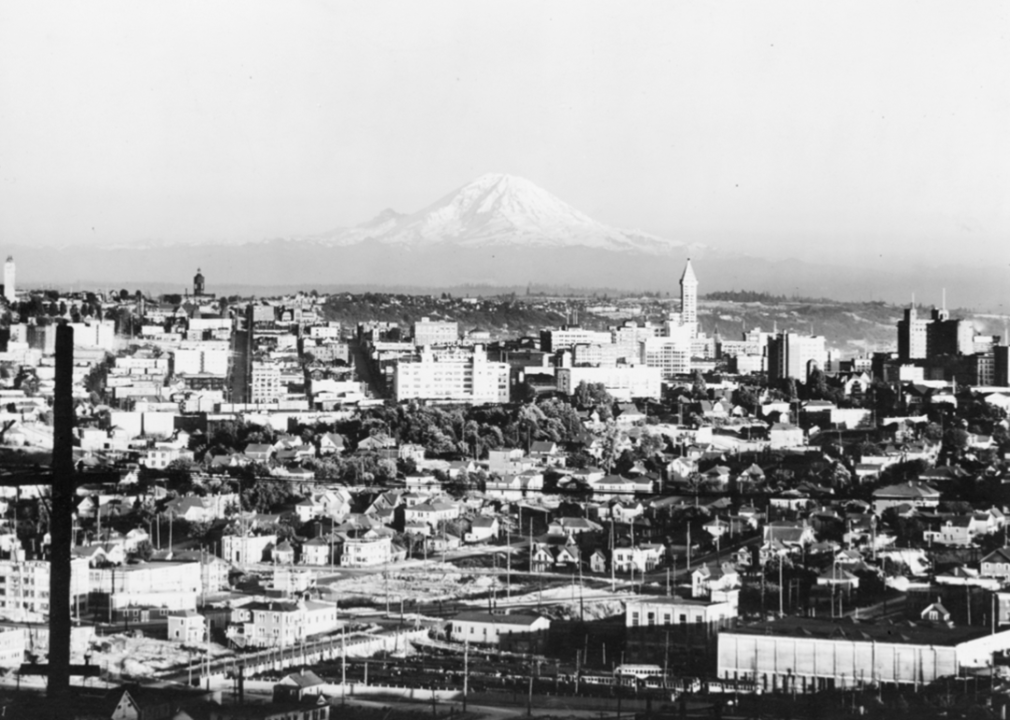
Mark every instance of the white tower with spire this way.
pixel 9 279
pixel 688 295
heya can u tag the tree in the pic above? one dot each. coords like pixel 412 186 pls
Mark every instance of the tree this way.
pixel 817 385
pixel 699 388
pixel 608 454
pixel 592 395
pixel 748 397
pixel 933 432
pixel 649 445
pixel 142 551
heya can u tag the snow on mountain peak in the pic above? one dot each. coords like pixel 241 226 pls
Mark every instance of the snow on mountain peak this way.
pixel 497 209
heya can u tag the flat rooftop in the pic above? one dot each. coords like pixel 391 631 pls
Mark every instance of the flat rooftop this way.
pixel 913 633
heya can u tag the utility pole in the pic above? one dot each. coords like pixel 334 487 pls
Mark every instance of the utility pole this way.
pixel 781 607
pixel 613 579
pixel 689 546
pixel 508 563
pixel 466 671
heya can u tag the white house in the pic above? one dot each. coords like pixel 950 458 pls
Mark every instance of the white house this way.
pixel 482 529
pixel 187 627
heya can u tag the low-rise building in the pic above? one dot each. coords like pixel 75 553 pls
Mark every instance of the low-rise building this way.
pixel 281 623
pixel 247 549
pixel 488 629
pixel 664 611
pixel 363 547
pixel 914 494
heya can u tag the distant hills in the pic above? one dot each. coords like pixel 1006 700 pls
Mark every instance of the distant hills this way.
pixel 503 231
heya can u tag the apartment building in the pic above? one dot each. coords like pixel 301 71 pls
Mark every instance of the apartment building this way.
pixel 281 624
pixel 428 333
pixel 624 382
pixel 471 380
pixel 24 585
pixel 265 383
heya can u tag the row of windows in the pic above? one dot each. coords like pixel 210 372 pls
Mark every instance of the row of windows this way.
pixel 651 618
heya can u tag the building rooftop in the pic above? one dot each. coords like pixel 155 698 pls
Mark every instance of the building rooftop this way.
pixel 508 619
pixel 906 632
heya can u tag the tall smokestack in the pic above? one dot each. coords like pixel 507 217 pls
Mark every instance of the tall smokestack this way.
pixel 61 521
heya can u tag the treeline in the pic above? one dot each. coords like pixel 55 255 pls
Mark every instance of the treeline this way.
pixel 486 314
pixel 745 296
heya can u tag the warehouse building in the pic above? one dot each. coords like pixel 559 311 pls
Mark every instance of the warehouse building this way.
pixel 809 654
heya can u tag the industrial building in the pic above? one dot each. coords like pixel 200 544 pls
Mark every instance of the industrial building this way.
pixel 810 654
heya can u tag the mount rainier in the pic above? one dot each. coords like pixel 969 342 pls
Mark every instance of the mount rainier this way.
pixel 496 210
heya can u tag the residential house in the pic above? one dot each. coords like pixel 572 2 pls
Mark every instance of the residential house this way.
pixel 297 686
pixel 422 483
pixel 187 627
pixel 571 526
pixel 318 551
pixel 638 558
pixel 483 529
pixel 918 495
pixel 332 444
pixel 714 580
pixel 442 542
pixel 839 578
pixel 363 547
pixel 996 564
pixel 258 452
pixel 432 512
pixel 514 487
pixel 283 553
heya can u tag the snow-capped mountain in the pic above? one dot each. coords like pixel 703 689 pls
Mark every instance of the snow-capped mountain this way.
pixel 496 210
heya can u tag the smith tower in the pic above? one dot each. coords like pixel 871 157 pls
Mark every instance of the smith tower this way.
pixel 688 295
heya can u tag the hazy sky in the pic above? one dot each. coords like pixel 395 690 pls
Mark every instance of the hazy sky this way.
pixel 811 128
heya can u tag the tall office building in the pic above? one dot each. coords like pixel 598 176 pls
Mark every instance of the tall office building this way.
pixel 949 336
pixel 1001 365
pixel 688 295
pixel 912 333
pixel 925 338
pixel 242 344
pixel 9 279
pixel 791 355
